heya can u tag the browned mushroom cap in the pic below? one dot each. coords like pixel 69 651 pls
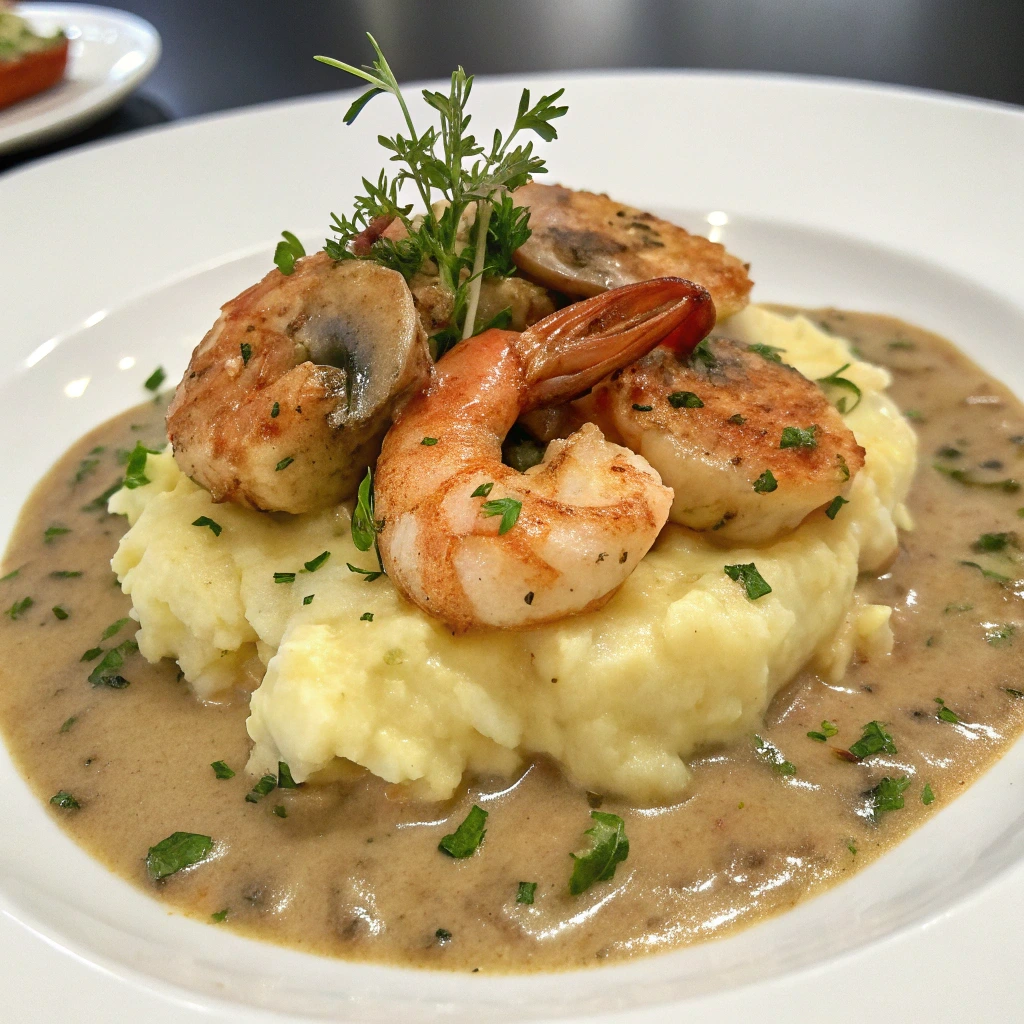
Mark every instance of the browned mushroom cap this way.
pixel 584 243
pixel 287 398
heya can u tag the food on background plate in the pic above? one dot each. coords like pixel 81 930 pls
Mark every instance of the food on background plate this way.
pixel 575 608
pixel 29 62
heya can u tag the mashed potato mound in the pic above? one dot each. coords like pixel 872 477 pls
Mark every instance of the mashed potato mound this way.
pixel 679 658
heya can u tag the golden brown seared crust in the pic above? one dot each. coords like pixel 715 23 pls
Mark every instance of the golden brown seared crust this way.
pixel 584 243
pixel 713 447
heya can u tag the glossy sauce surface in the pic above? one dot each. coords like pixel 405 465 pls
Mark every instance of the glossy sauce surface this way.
pixel 351 869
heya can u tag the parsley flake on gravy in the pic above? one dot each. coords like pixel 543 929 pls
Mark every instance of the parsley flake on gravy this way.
pixel 53 532
pixel 753 582
pixel 284 777
pixel 463 842
pixel 945 714
pixel 927 796
pixel 266 785
pixel 115 627
pixel 773 757
pixel 525 892
pixel 20 607
pixel 609 846
pixel 65 800
pixel 179 850
pixel 221 770
pixel 874 741
pixel 220 915
pixel 215 528
pixel 887 796
pixel 59 612
pixel 799 437
pixel 827 729
pixel 507 508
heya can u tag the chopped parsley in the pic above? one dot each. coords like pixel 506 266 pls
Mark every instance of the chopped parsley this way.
pixel 609 846
pixel 53 532
pixel 68 723
pixel 106 673
pixel 642 408
pixel 275 410
pixel 429 442
pixel 314 563
pixel 443 935
pixel 753 582
pixel 463 842
pixel 837 503
pixel 684 400
pixel 835 381
pixel 65 574
pixel 887 796
pixel 288 250
pixel 99 503
pixel 737 419
pixel 370 574
pixel 525 892
pixel 85 468
pixel 507 508
pixel 946 714
pixel 914 414
pixel 366 617
pixel 957 608
pixel 284 577
pixel 284 777
pixel 1019 694
pixel 999 635
pixel 702 354
pixel 13 575
pixel 874 741
pixel 221 770
pixel 766 482
pixel 266 785
pixel 365 527
pixel 483 490
pixel 215 528
pixel 280 811
pixel 827 729
pixel 135 470
pixel 59 612
pixel 771 755
pixel 769 352
pixel 179 850
pixel 246 350
pixel 92 654
pixel 155 379
pixel 284 463
pixel 989 574
pixel 963 476
pixel 799 437
pixel 994 541
pixel 115 627
pixel 64 799
pixel 20 607
pixel 220 915
pixel 927 796
pixel 308 599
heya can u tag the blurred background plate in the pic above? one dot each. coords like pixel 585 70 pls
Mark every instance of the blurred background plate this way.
pixel 875 198
pixel 110 54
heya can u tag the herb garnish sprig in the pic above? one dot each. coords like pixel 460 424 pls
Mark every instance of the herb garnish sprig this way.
pixel 443 161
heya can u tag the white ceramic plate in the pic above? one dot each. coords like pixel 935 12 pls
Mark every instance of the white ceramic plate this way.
pixel 110 54
pixel 865 197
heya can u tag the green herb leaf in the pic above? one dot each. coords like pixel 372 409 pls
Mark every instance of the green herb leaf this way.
pixel 642 408
pixel 20 607
pixel 179 850
pixel 684 400
pixel 92 654
pixel 989 574
pixel 155 379
pixel 835 381
pixel 507 508
pixel 64 574
pixel 370 574
pixel 963 476
pixel 702 354
pixel 280 811
pixel 1000 635
pixel 220 916
pixel 284 463
pixel 769 352
pixel 99 503
pixel 275 410
pixel 526 892
pixel 13 575
pixel 799 437
pixel 284 577
pixel 753 582
pixel 875 740
pixel 837 503
pixel 308 599
pixel 59 612
pixel 766 482
pixel 314 563
pixel 773 757
pixel 737 419
pixel 261 789
pixel 927 796
pixel 53 532
pixel 994 541
pixel 429 442
pixel 818 737
pixel 946 714
pixel 221 770
pixel 443 935
pixel 829 728
pixel 482 491
pixel 135 469
pixel 284 777
pixel 366 617
pixel 609 846
pixel 290 249
pixel 464 841
pixel 215 528
pixel 68 723
pixel 64 799
pixel 887 796
pixel 115 627
pixel 364 526
pixel 1019 694
pixel 106 672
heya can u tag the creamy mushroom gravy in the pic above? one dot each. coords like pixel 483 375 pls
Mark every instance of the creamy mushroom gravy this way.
pixel 349 869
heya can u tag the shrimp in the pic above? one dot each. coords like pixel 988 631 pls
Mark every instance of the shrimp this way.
pixel 750 446
pixel 286 399
pixel 582 243
pixel 472 541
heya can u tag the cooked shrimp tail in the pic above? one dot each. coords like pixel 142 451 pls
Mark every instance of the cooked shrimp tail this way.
pixel 474 542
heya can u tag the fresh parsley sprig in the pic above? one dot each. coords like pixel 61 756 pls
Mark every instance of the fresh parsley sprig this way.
pixel 443 161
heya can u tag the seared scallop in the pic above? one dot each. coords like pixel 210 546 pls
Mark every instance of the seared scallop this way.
pixel 583 243
pixel 750 446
